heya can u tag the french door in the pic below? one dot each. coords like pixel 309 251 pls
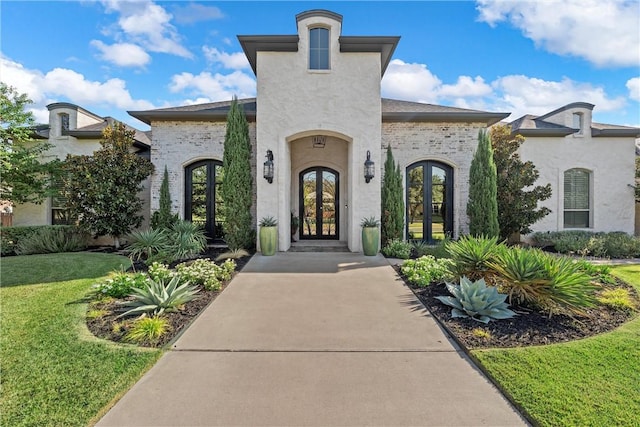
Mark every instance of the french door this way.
pixel 429 201
pixel 203 198
pixel 319 204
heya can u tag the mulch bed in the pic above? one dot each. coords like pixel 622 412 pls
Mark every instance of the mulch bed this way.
pixel 111 328
pixel 527 328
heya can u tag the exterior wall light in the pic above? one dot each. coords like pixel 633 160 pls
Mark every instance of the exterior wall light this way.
pixel 268 167
pixel 369 168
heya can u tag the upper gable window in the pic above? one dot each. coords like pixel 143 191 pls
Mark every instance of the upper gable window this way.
pixel 578 122
pixel 318 49
pixel 64 122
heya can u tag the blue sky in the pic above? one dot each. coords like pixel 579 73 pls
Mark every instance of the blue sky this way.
pixel 519 57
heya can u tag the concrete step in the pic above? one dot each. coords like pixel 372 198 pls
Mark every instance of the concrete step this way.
pixel 319 246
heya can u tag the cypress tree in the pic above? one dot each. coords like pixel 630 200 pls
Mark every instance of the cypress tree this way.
pixel 237 184
pixel 392 200
pixel 482 208
pixel 162 218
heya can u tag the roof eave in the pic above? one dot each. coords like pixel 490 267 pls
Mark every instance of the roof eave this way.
pixel 385 45
pixel 278 43
pixel 483 117
pixel 189 116
pixel 632 133
pixel 543 132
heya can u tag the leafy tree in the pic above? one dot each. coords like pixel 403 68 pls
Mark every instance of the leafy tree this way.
pixel 392 200
pixel 24 175
pixel 517 207
pixel 237 184
pixel 163 218
pixel 101 190
pixel 482 208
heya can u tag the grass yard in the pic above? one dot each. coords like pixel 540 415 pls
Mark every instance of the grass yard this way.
pixel 54 372
pixel 591 382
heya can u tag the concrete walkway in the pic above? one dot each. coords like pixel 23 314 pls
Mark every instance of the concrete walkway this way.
pixel 314 339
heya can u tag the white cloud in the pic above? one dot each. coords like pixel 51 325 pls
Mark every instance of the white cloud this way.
pixel 528 95
pixel 122 54
pixel 234 61
pixel 215 87
pixel 62 84
pixel 517 94
pixel 194 12
pixel 604 32
pixel 410 82
pixel 148 24
pixel 634 88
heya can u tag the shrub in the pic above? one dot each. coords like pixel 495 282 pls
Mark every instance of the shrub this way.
pixel 48 240
pixel 476 300
pixel 612 245
pixel 397 249
pixel 619 299
pixel 422 248
pixel 426 270
pixel 599 273
pixel 534 278
pixel 187 240
pixel 147 330
pixel 147 244
pixel 158 271
pixel 620 245
pixel 10 236
pixel 120 284
pixel 471 256
pixel 184 240
pixel 158 297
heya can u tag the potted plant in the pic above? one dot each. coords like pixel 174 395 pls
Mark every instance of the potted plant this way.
pixel 295 223
pixel 370 236
pixel 268 235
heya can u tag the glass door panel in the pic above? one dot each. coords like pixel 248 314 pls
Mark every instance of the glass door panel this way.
pixel 319 204
pixel 203 198
pixel 199 195
pixel 438 207
pixel 415 203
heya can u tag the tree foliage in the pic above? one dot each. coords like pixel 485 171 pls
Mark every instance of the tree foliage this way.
pixel 517 197
pixel 482 208
pixel 102 189
pixel 25 174
pixel 392 200
pixel 238 181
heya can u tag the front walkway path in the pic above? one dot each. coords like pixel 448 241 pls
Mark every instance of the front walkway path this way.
pixel 324 339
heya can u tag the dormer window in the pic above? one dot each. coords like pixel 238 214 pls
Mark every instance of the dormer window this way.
pixel 318 49
pixel 578 122
pixel 64 122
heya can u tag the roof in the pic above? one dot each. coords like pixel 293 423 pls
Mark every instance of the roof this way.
pixel 530 125
pixel 392 111
pixel 94 131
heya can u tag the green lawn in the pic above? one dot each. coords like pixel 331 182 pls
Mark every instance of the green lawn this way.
pixel 590 382
pixel 54 372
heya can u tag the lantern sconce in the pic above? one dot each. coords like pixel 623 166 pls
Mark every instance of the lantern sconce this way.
pixel 369 168
pixel 268 167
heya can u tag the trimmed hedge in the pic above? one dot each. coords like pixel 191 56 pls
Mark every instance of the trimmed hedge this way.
pixel 10 237
pixel 615 244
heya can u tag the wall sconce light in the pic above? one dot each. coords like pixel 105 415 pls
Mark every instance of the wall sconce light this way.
pixel 268 167
pixel 369 168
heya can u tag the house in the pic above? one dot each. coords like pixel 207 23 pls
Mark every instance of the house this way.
pixel 319 120
pixel 72 130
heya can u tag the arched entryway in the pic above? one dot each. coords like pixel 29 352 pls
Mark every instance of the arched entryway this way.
pixel 203 198
pixel 429 201
pixel 319 202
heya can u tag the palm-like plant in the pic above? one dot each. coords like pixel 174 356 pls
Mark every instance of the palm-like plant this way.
pixel 471 256
pixel 145 244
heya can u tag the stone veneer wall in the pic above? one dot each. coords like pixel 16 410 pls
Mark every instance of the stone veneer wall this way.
pixel 178 144
pixel 450 143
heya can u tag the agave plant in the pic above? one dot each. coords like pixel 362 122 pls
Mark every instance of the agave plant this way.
pixel 159 297
pixel 476 300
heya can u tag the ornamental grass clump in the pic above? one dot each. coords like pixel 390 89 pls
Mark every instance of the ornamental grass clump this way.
pixel 477 301
pixel 147 330
pixel 426 270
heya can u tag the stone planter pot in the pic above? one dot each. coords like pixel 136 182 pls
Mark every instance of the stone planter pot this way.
pixel 370 239
pixel 268 240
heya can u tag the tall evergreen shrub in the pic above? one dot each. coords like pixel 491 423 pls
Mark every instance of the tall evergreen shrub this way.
pixel 482 208
pixel 392 201
pixel 237 184
pixel 162 218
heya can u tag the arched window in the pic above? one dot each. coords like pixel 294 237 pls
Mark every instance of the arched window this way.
pixel 318 49
pixel 429 201
pixel 203 198
pixel 577 200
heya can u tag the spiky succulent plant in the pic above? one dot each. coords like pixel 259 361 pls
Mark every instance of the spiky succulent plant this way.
pixel 158 297
pixel 477 301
